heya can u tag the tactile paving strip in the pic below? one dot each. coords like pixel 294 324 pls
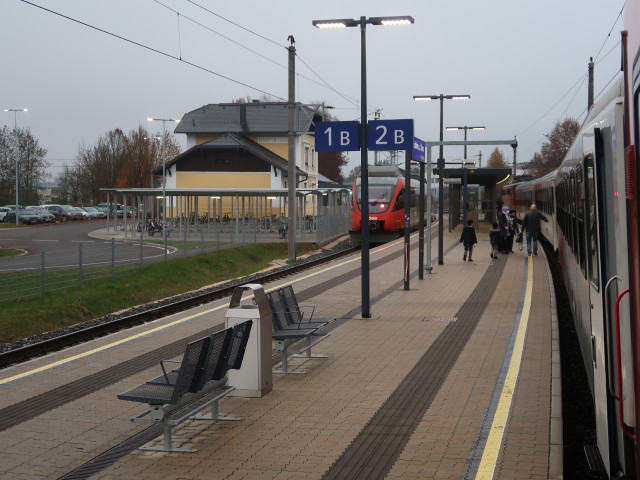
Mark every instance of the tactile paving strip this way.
pixel 374 451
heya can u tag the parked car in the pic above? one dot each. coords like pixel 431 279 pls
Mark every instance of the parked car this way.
pixel 45 215
pixel 84 214
pixel 95 213
pixel 64 213
pixel 3 213
pixel 25 215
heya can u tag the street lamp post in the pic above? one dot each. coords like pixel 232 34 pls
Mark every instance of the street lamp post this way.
pixel 364 170
pixel 465 193
pixel 15 131
pixel 465 128
pixel 441 97
pixel 164 178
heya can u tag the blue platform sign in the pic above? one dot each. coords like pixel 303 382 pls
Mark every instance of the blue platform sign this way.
pixel 337 136
pixel 390 134
pixel 418 150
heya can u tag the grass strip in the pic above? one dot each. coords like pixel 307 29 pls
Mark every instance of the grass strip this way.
pixel 25 318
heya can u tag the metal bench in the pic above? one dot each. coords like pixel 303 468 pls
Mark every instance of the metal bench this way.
pixel 294 315
pixel 287 332
pixel 203 371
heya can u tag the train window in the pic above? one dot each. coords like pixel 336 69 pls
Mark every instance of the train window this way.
pixel 580 232
pixel 572 211
pixel 591 224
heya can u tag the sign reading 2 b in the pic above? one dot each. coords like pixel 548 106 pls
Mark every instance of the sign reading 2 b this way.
pixel 390 134
pixel 337 136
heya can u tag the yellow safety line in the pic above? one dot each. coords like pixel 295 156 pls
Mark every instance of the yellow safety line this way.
pixel 163 327
pixel 498 426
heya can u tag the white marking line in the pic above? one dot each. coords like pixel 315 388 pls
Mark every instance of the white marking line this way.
pixel 64 361
pixel 496 433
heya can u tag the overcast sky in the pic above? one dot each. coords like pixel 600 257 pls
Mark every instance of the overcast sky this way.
pixel 523 62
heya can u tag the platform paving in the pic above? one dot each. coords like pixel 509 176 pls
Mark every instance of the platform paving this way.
pixel 309 423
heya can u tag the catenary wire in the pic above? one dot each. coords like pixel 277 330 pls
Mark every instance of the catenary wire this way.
pixel 160 52
pixel 609 34
pixel 322 82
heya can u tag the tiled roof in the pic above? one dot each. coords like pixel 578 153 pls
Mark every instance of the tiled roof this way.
pixel 247 118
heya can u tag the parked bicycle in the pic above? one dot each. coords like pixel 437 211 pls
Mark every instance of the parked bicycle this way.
pixel 157 227
pixel 283 228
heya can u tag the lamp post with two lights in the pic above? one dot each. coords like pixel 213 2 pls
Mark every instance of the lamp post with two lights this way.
pixel 15 131
pixel 364 183
pixel 164 178
pixel 442 98
pixel 465 192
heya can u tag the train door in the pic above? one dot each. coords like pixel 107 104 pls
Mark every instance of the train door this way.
pixel 589 260
pixel 605 286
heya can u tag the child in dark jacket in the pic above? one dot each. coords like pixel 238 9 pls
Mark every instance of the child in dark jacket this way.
pixel 494 239
pixel 469 240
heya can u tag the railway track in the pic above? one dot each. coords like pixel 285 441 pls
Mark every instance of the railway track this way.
pixel 157 310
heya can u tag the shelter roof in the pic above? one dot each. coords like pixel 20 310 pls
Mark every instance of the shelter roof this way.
pixel 476 176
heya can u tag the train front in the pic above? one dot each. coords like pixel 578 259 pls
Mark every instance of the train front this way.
pixel 386 209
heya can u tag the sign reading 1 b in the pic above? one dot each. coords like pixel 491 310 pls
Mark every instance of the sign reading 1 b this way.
pixel 337 136
pixel 390 134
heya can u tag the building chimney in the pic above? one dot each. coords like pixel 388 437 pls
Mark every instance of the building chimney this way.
pixel 243 116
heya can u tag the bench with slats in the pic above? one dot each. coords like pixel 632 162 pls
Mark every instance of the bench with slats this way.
pixel 202 372
pixel 288 328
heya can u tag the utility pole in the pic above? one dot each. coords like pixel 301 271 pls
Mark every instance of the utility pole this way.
pixel 376 116
pixel 590 92
pixel 292 150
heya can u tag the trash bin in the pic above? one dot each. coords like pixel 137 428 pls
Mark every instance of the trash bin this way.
pixel 254 379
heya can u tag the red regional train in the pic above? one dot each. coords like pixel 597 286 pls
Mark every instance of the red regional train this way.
pixel 387 204
pixel 592 202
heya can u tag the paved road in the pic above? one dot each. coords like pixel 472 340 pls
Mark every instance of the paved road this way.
pixel 63 245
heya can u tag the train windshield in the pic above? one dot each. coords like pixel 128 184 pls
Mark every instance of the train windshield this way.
pixel 380 193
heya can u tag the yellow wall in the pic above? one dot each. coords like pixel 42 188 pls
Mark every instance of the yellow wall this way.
pixel 278 148
pixel 223 180
pixel 204 138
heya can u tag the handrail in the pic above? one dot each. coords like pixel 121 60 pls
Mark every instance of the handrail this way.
pixel 619 366
pixel 607 323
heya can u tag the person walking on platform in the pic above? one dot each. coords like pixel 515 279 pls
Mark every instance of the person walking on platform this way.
pixel 469 240
pixel 513 230
pixel 531 225
pixel 494 239
pixel 503 225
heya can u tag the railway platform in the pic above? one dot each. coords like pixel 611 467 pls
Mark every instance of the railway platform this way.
pixel 456 378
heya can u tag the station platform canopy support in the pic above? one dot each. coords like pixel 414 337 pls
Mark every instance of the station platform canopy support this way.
pixel 461 177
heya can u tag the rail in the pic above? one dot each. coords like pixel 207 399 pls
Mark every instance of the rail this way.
pixel 169 307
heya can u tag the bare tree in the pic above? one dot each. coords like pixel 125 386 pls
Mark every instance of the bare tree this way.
pixel 353 174
pixel 69 186
pixel 7 165
pixel 142 152
pixel 555 148
pixel 330 164
pixel 19 146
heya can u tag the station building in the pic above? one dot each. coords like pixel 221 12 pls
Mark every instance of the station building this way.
pixel 244 146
